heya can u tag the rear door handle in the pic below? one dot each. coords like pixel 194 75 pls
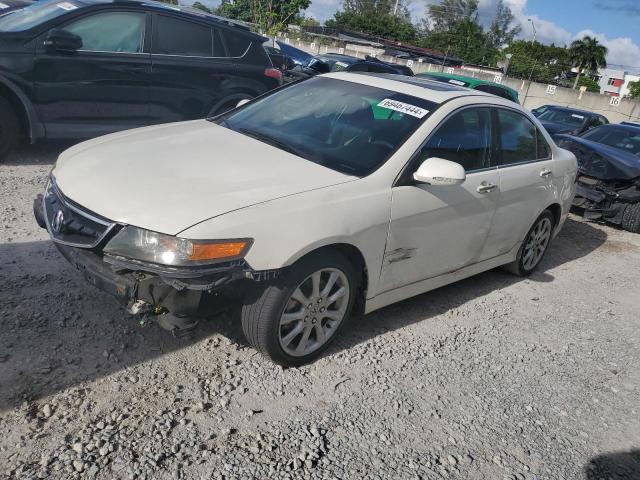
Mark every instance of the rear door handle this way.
pixel 545 173
pixel 486 187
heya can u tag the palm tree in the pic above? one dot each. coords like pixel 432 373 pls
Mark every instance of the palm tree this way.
pixel 587 54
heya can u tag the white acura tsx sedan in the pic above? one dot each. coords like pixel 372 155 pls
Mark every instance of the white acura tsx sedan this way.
pixel 342 193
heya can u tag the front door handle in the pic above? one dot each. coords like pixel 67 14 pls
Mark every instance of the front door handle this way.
pixel 486 187
pixel 545 173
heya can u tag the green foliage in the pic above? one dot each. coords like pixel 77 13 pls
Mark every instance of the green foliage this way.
pixel 201 6
pixel 537 62
pixel 444 16
pixel 591 84
pixel 501 31
pixel 466 40
pixel 634 90
pixel 375 17
pixel 587 54
pixel 271 16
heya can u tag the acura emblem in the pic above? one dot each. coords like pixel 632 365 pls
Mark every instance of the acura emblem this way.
pixel 58 221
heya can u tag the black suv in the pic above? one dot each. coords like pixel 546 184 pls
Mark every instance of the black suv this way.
pixel 81 68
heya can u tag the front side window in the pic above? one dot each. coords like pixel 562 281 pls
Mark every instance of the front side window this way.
pixel 34 15
pixel 345 126
pixel 111 32
pixel 520 140
pixel 173 36
pixel 464 138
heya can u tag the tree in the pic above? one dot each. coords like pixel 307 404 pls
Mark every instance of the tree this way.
pixel 466 40
pixel 376 17
pixel 537 62
pixel 444 16
pixel 502 31
pixel 590 83
pixel 587 55
pixel 271 16
pixel 201 6
pixel 634 90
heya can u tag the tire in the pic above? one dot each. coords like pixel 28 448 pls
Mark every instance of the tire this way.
pixel 275 321
pixel 631 218
pixel 9 128
pixel 226 105
pixel 535 243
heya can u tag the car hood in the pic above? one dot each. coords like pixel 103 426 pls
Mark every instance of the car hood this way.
pixel 169 177
pixel 601 161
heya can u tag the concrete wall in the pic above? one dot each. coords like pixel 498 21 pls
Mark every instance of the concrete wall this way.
pixel 531 94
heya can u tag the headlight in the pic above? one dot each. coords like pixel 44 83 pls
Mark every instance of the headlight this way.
pixel 148 246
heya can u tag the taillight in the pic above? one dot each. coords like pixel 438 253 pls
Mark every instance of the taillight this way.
pixel 273 73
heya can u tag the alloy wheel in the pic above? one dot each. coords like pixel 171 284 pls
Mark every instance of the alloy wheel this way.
pixel 536 244
pixel 314 311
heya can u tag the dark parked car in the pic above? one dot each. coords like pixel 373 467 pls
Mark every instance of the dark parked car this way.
pixel 559 120
pixel 295 54
pixel 82 68
pixel 335 62
pixel 608 183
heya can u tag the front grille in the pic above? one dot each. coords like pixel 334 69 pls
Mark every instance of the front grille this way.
pixel 69 223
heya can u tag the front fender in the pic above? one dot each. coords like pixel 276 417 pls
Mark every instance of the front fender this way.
pixel 286 229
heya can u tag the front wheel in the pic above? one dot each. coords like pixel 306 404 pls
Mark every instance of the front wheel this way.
pixel 296 318
pixel 631 218
pixel 534 246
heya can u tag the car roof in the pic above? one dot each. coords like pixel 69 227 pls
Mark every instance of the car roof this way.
pixel 184 9
pixel 586 113
pixel 431 90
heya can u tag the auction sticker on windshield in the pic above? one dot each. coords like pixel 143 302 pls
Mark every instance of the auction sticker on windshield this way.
pixel 3 6
pixel 403 108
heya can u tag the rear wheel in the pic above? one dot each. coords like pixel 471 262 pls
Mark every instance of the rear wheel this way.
pixel 631 218
pixel 295 319
pixel 9 128
pixel 534 246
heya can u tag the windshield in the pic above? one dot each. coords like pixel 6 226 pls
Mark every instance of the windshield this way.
pixel 33 15
pixel 345 126
pixel 565 117
pixel 621 138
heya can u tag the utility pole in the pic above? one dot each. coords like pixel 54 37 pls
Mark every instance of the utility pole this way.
pixel 395 9
pixel 533 25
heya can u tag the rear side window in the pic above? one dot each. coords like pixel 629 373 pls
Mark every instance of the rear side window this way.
pixel 110 32
pixel 173 36
pixel 520 140
pixel 237 44
pixel 464 138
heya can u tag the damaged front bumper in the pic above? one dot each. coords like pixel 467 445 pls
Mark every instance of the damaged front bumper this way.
pixel 139 286
pixel 606 200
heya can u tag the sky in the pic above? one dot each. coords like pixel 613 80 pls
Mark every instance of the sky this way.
pixel 615 23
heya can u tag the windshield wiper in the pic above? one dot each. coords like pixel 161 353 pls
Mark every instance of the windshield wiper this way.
pixel 275 142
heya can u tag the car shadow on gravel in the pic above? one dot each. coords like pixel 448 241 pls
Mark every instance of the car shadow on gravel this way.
pixel 58 331
pixel 577 239
pixel 40 153
pixel 614 466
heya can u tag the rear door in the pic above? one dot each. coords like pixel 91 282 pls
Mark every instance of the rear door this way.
pixel 101 88
pixel 190 68
pixel 438 229
pixel 527 180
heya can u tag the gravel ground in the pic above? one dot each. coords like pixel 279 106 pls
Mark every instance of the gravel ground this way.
pixel 494 377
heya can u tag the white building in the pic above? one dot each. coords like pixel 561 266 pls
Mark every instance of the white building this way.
pixel 628 78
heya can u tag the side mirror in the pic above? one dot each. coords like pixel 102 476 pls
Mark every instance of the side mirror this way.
pixel 62 40
pixel 242 102
pixel 320 66
pixel 437 171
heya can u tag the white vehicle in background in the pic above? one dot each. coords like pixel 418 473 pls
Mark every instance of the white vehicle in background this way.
pixel 342 192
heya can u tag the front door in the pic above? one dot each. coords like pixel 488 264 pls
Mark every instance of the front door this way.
pixel 438 229
pixel 101 88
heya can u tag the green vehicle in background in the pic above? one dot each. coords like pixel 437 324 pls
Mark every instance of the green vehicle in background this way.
pixel 474 84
